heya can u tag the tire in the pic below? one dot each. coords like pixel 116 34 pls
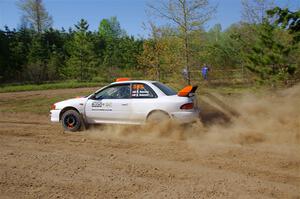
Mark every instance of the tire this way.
pixel 158 117
pixel 71 121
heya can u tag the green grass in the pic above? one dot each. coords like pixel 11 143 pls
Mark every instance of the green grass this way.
pixel 40 104
pixel 47 86
pixel 35 104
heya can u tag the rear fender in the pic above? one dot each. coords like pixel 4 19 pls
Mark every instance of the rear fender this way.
pixel 157 110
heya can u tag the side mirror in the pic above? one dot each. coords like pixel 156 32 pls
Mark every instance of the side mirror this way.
pixel 93 97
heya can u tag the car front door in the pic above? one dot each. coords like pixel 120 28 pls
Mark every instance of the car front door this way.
pixel 110 105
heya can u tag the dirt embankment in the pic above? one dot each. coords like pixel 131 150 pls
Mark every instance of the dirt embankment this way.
pixel 245 146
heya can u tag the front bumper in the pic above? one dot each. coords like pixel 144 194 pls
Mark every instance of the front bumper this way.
pixel 186 116
pixel 54 115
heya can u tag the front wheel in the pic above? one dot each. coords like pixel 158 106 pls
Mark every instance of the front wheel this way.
pixel 71 120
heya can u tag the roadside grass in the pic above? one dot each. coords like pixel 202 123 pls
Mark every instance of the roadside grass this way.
pixel 48 86
pixel 37 105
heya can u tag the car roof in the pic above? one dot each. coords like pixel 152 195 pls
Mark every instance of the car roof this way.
pixel 134 81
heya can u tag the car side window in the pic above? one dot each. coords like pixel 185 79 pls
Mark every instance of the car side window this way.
pixel 115 92
pixel 139 90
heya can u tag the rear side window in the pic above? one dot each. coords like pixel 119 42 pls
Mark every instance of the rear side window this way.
pixel 164 88
pixel 139 90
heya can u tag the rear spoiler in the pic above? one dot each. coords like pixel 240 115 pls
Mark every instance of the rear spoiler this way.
pixel 187 91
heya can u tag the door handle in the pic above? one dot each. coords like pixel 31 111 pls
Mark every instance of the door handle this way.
pixel 125 104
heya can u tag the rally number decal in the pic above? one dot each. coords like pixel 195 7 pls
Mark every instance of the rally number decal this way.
pixel 138 90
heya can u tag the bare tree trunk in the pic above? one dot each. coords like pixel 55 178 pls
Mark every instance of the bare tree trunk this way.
pixel 157 61
pixel 158 72
pixel 38 17
pixel 186 46
pixel 187 59
pixel 81 64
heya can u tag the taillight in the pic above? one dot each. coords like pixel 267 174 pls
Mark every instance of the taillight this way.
pixel 187 106
pixel 52 107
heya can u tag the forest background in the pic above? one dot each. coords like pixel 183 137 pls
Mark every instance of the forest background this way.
pixel 261 49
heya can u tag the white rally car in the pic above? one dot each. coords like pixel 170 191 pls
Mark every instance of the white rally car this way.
pixel 127 102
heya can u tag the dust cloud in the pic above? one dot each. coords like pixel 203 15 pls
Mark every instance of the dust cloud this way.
pixel 273 117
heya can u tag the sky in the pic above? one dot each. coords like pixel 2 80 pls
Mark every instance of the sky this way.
pixel 130 13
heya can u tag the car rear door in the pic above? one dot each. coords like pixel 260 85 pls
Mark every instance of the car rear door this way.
pixel 144 99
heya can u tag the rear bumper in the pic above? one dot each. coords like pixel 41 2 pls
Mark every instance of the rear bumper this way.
pixel 54 115
pixel 186 116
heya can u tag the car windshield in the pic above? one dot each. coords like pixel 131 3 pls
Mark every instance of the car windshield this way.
pixel 164 88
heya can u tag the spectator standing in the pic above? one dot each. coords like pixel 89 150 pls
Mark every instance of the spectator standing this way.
pixel 204 72
pixel 185 74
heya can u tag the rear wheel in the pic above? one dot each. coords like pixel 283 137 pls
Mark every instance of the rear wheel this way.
pixel 71 120
pixel 158 117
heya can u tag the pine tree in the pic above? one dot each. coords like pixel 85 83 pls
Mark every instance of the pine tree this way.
pixel 82 62
pixel 270 54
pixel 37 60
pixel 4 54
pixel 112 34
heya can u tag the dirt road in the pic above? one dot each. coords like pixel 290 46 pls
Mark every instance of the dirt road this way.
pixel 237 160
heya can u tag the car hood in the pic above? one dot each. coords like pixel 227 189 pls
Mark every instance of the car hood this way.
pixel 75 102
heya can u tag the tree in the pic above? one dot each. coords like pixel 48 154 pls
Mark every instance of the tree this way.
pixel 290 21
pixel 19 47
pixel 160 55
pixel 110 28
pixel 37 60
pixel 287 19
pixel 34 12
pixel 153 49
pixel 188 15
pixel 219 49
pixel 130 49
pixel 82 62
pixel 55 64
pixel 270 54
pixel 255 11
pixel 55 42
pixel 4 54
pixel 113 42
